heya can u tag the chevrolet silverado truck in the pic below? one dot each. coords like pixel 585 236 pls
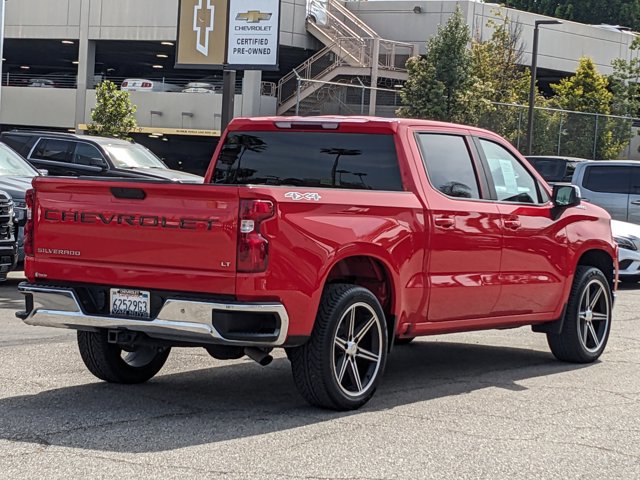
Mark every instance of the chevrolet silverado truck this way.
pixel 331 237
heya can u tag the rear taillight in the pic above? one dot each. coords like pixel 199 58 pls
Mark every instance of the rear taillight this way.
pixel 147 84
pixel 28 227
pixel 125 84
pixel 253 248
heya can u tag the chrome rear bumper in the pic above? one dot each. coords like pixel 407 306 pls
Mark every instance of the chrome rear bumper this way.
pixel 181 320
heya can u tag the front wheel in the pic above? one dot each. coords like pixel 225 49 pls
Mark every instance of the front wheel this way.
pixel 341 365
pixel 113 364
pixel 587 321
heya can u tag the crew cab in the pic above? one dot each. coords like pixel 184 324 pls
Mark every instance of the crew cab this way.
pixel 331 237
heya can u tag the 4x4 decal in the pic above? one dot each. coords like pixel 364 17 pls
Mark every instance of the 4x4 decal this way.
pixel 297 196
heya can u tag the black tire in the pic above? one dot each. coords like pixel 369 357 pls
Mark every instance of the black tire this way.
pixel 585 332
pixel 334 346
pixel 403 341
pixel 106 361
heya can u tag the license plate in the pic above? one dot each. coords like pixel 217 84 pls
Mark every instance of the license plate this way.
pixel 130 303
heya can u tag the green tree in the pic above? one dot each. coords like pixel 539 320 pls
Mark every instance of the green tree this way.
pixel 499 79
pixel 585 135
pixel 440 81
pixel 625 84
pixel 114 115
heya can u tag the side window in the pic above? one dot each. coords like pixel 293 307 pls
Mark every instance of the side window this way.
pixel 88 155
pixel 449 164
pixel 54 150
pixel 614 179
pixel 512 182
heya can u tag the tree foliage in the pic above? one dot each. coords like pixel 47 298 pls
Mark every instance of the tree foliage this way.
pixel 481 83
pixel 588 91
pixel 440 80
pixel 114 115
pixel 614 12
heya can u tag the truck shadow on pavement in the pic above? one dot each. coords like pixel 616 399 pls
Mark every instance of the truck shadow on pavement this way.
pixel 244 400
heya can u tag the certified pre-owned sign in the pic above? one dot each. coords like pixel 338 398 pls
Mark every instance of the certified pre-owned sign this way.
pixel 254 27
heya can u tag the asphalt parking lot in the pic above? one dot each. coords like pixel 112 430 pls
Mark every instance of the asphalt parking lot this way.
pixel 476 405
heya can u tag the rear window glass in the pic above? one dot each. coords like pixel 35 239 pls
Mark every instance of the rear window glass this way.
pixel 309 159
pixel 20 143
pixel 553 170
pixel 614 179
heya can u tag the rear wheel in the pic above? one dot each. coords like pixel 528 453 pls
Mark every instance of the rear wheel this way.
pixel 113 364
pixel 587 322
pixel 341 365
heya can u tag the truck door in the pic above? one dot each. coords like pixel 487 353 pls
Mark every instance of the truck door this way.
pixel 534 244
pixel 465 232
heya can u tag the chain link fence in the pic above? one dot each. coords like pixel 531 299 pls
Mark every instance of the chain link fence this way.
pixel 556 132
pixel 565 133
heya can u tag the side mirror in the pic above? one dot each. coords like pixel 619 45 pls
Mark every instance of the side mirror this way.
pixel 565 195
pixel 43 172
pixel 98 162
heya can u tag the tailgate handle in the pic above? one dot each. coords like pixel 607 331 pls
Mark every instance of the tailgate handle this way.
pixel 129 193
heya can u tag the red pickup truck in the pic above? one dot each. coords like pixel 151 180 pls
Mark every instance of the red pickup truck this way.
pixel 332 237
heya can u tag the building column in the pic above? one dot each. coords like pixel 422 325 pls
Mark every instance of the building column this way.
pixel 86 65
pixel 251 86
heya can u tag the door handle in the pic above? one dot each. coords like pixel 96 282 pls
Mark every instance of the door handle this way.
pixel 512 224
pixel 444 222
pixel 635 202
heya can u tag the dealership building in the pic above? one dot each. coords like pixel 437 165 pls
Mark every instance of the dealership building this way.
pixel 56 51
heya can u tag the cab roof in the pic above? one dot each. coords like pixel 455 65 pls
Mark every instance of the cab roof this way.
pixel 352 122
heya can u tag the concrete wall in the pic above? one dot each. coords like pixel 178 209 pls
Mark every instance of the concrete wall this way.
pixel 560 45
pixel 126 20
pixel 46 107
pixel 24 106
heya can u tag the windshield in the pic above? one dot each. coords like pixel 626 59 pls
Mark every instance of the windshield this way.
pixel 12 165
pixel 133 156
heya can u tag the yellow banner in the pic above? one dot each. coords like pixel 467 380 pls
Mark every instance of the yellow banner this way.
pixel 169 131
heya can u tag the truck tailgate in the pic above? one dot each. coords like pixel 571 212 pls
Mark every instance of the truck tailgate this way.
pixel 155 235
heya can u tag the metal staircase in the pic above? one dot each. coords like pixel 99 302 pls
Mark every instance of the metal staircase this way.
pixel 352 49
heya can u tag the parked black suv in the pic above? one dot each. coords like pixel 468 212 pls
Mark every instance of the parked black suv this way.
pixel 555 169
pixel 67 154
pixel 8 247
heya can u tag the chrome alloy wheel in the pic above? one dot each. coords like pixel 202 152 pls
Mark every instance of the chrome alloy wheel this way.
pixel 357 350
pixel 594 316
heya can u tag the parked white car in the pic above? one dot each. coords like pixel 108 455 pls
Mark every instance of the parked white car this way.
pixel 144 85
pixel 199 87
pixel 627 236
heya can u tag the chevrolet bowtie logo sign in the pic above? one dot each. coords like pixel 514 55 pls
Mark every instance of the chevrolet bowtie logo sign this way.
pixel 253 16
pixel 235 34
pixel 203 22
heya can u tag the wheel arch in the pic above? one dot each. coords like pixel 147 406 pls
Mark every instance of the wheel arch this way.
pixel 373 273
pixel 602 260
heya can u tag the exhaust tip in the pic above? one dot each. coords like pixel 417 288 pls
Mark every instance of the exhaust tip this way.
pixel 259 356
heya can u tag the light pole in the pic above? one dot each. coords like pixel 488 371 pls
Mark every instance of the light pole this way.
pixel 534 72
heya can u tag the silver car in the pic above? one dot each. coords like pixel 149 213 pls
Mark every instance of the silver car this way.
pixel 627 236
pixel 613 185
